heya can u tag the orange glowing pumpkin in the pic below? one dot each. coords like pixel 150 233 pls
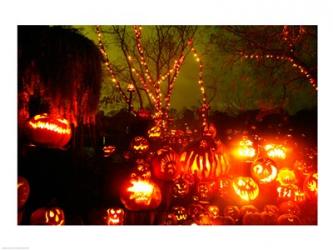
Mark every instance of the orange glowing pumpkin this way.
pixel 108 150
pixel 114 216
pixel 49 130
pixel 139 145
pixel 290 192
pixel 245 150
pixel 204 190
pixel 154 133
pixel 310 186
pixel 245 188
pixel 141 170
pixel 286 177
pixel 180 187
pixel 166 164
pixel 204 160
pixel 140 194
pixel 23 191
pixel 276 151
pixel 48 216
pixel 264 170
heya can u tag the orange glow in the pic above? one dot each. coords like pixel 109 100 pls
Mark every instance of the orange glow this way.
pixel 154 132
pixel 264 170
pixel 44 122
pixel 246 188
pixel 286 177
pixel 130 87
pixel 114 216
pixel 141 191
pixel 275 151
pixel 54 216
pixel 245 149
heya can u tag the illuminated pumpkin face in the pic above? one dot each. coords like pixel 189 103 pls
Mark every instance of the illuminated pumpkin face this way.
pixel 180 187
pixel 108 150
pixel 310 186
pixel 286 177
pixel 288 219
pixel 166 164
pixel 49 131
pixel 139 145
pixel 48 216
pixel 245 188
pixel 203 160
pixel 244 150
pixel 180 214
pixel 114 216
pixel 204 191
pixel 195 210
pixel 23 191
pixel 290 192
pixel 210 131
pixel 264 170
pixel 154 132
pixel 275 151
pixel 140 194
pixel 213 211
pixel 141 170
pixel 233 212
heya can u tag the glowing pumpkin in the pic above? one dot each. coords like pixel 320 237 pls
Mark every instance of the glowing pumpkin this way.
pixel 213 211
pixel 139 145
pixel 108 150
pixel 290 192
pixel 114 216
pixel 23 191
pixel 233 212
pixel 141 170
pixel 286 177
pixel 245 188
pixel 50 131
pixel 310 186
pixel 245 150
pixel 264 170
pixel 154 133
pixel 180 187
pixel 276 151
pixel 204 191
pixel 48 216
pixel 210 130
pixel 166 164
pixel 180 214
pixel 204 160
pixel 140 194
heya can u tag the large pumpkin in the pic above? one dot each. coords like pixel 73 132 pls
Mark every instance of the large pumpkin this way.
pixel 166 164
pixel 245 188
pixel 140 194
pixel 48 216
pixel 204 160
pixel 49 130
pixel 264 170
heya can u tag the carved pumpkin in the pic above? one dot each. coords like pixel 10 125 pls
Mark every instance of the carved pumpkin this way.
pixel 108 150
pixel 233 212
pixel 180 187
pixel 48 216
pixel 180 214
pixel 23 191
pixel 210 131
pixel 114 216
pixel 213 211
pixel 141 170
pixel 245 188
pixel 204 191
pixel 49 130
pixel 275 151
pixel 286 177
pixel 154 133
pixel 245 150
pixel 140 194
pixel 139 145
pixel 268 218
pixel 224 186
pixel 310 186
pixel 264 170
pixel 204 160
pixel 290 192
pixel 166 164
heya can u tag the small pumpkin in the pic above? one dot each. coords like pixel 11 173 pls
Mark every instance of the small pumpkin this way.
pixel 139 145
pixel 114 216
pixel 181 187
pixel 290 192
pixel 154 133
pixel 180 214
pixel 23 191
pixel 141 170
pixel 108 150
pixel 204 190
pixel 244 150
pixel 286 177
pixel 54 216
pixel 166 164
pixel 275 151
pixel 245 188
pixel 310 186
pixel 140 194
pixel 233 212
pixel 49 131
pixel 264 170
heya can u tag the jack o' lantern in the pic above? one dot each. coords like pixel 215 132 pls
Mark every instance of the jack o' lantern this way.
pixel 210 131
pixel 233 212
pixel 49 130
pixel 224 186
pixel 264 170
pixel 114 216
pixel 141 170
pixel 245 188
pixel 48 216
pixel 290 192
pixel 180 187
pixel 275 151
pixel 213 211
pixel 140 194
pixel 166 164
pixel 154 133
pixel 180 214
pixel 139 145
pixel 286 177
pixel 244 150
pixel 108 150
pixel 23 191
pixel 204 191
pixel 310 186
pixel 204 160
